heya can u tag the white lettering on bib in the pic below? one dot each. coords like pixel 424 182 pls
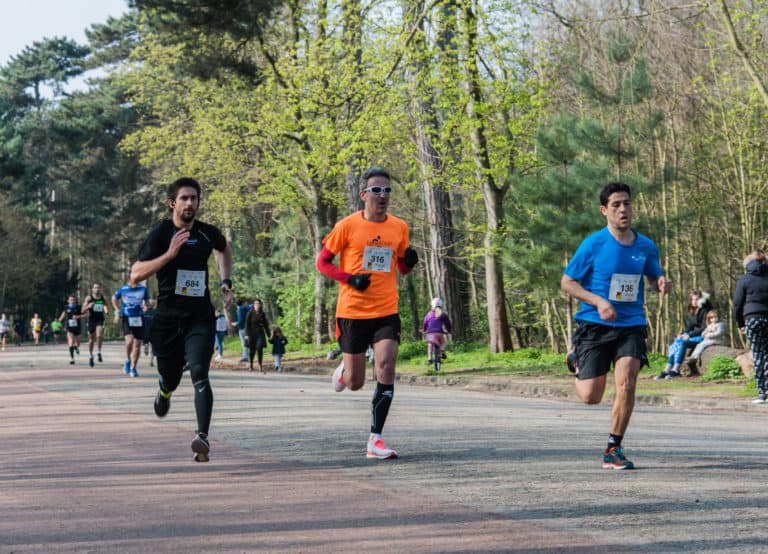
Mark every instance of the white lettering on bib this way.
pixel 98 307
pixel 377 258
pixel 624 288
pixel 190 283
pixel 134 321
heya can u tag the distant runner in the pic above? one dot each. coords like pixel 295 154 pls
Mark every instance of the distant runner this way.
pixel 71 316
pixel 133 298
pixel 95 305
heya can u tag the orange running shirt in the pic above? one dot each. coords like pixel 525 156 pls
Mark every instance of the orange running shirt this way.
pixel 368 247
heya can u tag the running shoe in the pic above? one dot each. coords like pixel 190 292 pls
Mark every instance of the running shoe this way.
pixel 100 358
pixel 218 357
pixel 377 449
pixel 570 361
pixel 338 378
pixel 760 399
pixel 71 361
pixel 77 350
pixel 134 373
pixel 127 367
pixel 162 403
pixel 90 361
pixel 672 374
pixel 613 458
pixel 201 447
pixel 660 376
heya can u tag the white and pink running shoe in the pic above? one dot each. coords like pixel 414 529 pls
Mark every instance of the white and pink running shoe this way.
pixel 338 378
pixel 377 449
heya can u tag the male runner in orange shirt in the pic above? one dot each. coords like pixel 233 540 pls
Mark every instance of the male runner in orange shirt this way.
pixel 370 244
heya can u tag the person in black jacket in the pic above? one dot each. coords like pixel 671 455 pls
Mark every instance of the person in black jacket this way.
pixel 750 312
pixel 257 331
pixel 695 323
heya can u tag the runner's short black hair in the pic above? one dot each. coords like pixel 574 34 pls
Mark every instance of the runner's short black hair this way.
pixel 611 188
pixel 375 171
pixel 173 188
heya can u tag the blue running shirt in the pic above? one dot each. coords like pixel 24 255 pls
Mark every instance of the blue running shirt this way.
pixel 611 270
pixel 132 298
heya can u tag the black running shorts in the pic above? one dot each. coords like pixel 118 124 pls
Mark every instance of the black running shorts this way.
pixel 94 323
pixel 598 346
pixel 355 335
pixel 137 332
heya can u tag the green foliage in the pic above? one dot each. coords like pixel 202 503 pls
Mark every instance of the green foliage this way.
pixel 721 368
pixel 656 362
pixel 412 349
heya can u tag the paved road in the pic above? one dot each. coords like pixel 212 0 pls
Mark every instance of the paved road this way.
pixel 89 468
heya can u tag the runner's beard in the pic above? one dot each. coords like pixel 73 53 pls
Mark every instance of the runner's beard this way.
pixel 187 216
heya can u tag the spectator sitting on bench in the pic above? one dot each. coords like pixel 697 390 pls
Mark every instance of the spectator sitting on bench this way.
pixel 714 333
pixel 698 308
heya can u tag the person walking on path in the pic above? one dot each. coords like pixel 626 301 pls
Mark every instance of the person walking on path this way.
pixel 96 306
pixel 183 330
pixel 243 308
pixel 257 331
pixel 71 316
pixel 221 331
pixel 149 314
pixel 371 245
pixel 134 299
pixel 750 312
pixel 606 274
pixel 5 329
pixel 278 342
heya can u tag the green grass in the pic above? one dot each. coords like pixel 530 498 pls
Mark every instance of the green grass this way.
pixel 473 359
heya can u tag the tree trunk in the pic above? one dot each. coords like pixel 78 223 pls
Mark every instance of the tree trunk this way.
pixel 499 338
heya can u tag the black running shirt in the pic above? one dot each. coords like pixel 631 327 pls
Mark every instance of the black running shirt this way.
pixel 183 282
pixel 96 309
pixel 72 323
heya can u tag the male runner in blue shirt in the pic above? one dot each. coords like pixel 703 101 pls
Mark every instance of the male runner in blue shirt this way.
pixel 606 274
pixel 134 298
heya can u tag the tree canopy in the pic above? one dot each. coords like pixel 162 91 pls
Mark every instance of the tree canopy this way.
pixel 499 120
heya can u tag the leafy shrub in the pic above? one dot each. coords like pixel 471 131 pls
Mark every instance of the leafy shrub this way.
pixel 656 362
pixel 412 349
pixel 526 354
pixel 721 368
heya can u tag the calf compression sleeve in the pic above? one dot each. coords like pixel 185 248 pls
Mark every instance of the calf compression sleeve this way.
pixel 382 400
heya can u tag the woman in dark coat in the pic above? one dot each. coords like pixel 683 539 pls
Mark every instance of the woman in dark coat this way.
pixel 750 312
pixel 695 323
pixel 257 330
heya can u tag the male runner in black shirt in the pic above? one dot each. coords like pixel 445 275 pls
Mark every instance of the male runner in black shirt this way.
pixel 183 329
pixel 96 306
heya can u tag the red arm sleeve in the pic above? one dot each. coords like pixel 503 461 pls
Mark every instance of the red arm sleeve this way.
pixel 326 266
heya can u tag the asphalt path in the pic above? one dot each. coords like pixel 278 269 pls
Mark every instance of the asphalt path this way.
pixel 89 468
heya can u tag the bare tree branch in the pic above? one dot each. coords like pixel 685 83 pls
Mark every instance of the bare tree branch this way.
pixel 742 53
